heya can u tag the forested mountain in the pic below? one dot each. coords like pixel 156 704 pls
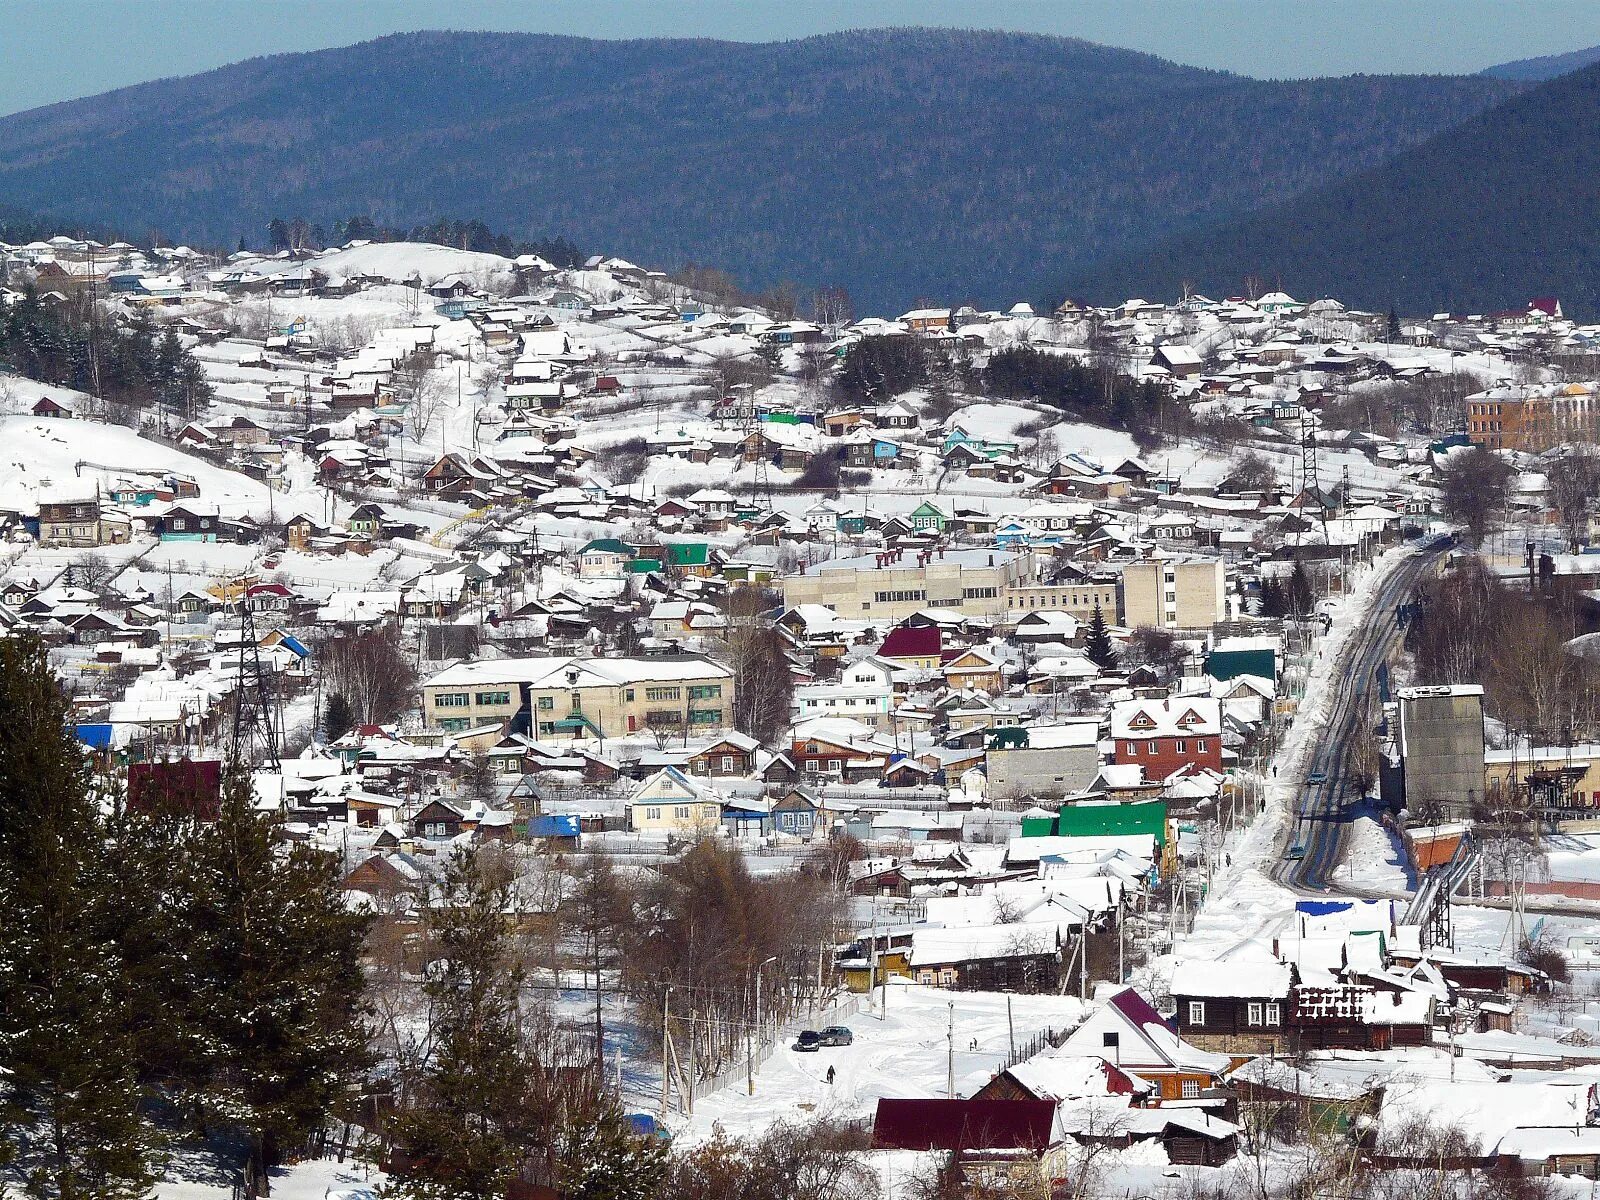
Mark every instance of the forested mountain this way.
pixel 1485 216
pixel 1548 66
pixel 899 163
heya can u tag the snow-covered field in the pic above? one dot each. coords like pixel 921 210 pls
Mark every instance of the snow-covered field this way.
pixel 903 1054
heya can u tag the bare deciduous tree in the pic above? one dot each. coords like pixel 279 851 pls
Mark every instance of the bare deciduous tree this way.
pixel 370 672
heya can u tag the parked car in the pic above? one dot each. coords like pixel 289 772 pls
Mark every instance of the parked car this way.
pixel 1316 778
pixel 809 1039
pixel 836 1035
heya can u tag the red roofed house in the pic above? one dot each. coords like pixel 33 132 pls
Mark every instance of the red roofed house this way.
pixel 958 1125
pixel 47 407
pixel 997 1145
pixel 913 646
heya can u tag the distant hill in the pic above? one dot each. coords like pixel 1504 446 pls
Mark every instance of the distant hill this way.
pixel 899 163
pixel 1500 209
pixel 1549 66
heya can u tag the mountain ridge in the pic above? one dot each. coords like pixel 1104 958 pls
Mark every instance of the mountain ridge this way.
pixel 1471 220
pixel 900 163
pixel 1544 66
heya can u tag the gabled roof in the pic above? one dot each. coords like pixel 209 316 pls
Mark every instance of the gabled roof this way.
pixel 963 1124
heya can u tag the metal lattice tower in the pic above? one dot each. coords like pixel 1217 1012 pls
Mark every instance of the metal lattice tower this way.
pixel 1310 485
pixel 256 733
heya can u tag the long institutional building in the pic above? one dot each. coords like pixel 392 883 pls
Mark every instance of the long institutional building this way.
pixel 1532 418
pixel 582 697
pixel 1005 585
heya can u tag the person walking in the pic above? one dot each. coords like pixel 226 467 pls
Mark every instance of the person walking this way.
pixel 830 1076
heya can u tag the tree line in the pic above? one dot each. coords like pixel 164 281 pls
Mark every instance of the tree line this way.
pixel 298 233
pixel 133 364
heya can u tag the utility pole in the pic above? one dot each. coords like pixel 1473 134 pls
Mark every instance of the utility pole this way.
pixel 666 1042
pixel 950 1055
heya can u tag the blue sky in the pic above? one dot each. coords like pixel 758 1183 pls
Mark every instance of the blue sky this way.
pixel 58 49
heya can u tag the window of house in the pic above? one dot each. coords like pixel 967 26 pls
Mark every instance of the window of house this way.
pixel 1200 746
pixel 1274 1014
pixel 1197 1012
pixel 452 700
pixel 1253 1013
pixel 947 975
pixel 812 766
pixel 835 764
pixel 1153 748
pixel 681 812
pixel 1133 747
pixel 662 693
pixel 1183 746
pixel 546 703
pixel 653 814
pixel 1190 1089
pixel 491 699
pixel 1110 1039
pixel 547 728
pixel 727 762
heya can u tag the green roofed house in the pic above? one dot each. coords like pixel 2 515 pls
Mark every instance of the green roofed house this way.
pixel 693 558
pixel 1235 656
pixel 605 558
pixel 1109 818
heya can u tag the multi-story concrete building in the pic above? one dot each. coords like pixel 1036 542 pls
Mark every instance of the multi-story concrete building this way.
pixel 1079 599
pixel 891 585
pixel 1532 419
pixel 1441 749
pixel 583 697
pixel 1174 593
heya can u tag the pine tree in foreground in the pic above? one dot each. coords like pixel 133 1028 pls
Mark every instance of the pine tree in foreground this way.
pixel 69 1089
pixel 273 976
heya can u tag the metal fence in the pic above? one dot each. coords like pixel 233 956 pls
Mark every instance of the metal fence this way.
pixel 742 1070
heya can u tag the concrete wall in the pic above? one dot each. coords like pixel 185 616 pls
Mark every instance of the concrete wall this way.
pixel 1441 738
pixel 1028 771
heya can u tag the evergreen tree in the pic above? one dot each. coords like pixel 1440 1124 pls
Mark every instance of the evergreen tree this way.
pixel 1273 602
pixel 273 977
pixel 1392 328
pixel 1301 596
pixel 339 719
pixel 1097 643
pixel 69 1092
pixel 467 1129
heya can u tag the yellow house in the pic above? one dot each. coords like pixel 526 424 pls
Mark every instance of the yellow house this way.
pixel 973 668
pixel 231 591
pixel 670 802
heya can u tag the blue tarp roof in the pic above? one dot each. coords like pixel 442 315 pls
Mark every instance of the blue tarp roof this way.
pixel 553 826
pixel 96 737
pixel 296 645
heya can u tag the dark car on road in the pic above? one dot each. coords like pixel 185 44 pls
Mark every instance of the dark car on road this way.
pixel 836 1035
pixel 809 1039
